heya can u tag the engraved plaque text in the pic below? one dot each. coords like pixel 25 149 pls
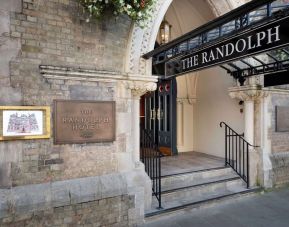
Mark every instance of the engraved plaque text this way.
pixel 83 122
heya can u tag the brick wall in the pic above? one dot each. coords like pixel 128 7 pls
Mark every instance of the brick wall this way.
pixel 55 32
pixel 279 142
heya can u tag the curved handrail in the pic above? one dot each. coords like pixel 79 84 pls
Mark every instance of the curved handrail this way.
pixel 237 152
pixel 223 123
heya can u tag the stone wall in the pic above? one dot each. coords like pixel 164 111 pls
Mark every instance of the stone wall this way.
pixel 107 212
pixel 54 32
pixel 43 161
pixel 48 52
pixel 279 141
pixel 93 201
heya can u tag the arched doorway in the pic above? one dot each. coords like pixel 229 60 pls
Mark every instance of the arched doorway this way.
pixel 198 100
pixel 142 41
pixel 209 99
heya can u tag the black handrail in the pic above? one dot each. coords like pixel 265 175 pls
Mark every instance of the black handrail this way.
pixel 237 153
pixel 151 157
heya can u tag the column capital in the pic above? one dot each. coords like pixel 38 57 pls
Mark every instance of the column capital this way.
pixel 248 93
pixel 139 88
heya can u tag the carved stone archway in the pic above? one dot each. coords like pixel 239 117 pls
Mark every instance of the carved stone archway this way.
pixel 142 41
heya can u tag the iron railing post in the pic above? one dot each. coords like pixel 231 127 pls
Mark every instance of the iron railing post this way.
pixel 160 185
pixel 151 157
pixel 248 166
pixel 226 147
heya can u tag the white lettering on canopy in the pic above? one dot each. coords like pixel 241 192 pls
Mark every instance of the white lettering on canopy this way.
pixel 242 45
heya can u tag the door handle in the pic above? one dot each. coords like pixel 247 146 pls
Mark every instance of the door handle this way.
pixel 153 114
pixel 160 114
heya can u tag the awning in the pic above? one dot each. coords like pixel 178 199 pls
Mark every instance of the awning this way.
pixel 250 40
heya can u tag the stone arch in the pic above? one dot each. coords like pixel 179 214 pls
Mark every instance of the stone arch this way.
pixel 142 41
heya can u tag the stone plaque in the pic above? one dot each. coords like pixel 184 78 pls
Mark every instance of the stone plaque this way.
pixel 83 122
pixel 282 118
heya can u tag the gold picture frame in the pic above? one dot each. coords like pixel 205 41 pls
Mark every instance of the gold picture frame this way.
pixel 41 130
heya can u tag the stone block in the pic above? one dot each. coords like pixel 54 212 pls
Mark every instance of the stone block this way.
pixel 31 197
pixel 11 5
pixel 79 92
pixel 9 48
pixel 32 19
pixel 60 194
pixel 5 196
pixel 113 185
pixel 5 175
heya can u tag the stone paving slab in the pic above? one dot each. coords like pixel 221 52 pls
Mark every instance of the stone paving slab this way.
pixel 270 209
pixel 189 161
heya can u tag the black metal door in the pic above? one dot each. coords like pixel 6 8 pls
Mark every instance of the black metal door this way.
pixel 160 116
pixel 150 115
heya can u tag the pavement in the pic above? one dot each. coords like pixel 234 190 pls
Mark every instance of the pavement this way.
pixel 269 209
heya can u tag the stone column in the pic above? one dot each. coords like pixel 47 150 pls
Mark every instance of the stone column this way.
pixel 137 90
pixel 249 120
pixel 250 94
pixel 265 142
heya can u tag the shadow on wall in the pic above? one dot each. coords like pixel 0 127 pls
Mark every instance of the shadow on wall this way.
pixel 213 106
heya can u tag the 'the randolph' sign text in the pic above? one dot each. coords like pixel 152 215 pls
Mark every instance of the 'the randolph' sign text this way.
pixel 263 38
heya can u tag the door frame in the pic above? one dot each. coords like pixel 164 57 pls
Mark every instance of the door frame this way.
pixel 152 114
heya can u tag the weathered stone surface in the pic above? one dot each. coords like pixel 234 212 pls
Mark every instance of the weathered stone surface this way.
pixel 68 184
pixel 31 197
pixel 107 212
pixel 280 166
pixel 9 153
pixel 279 141
pixel 11 5
pixel 10 96
pixel 5 175
pixel 112 185
pixel 97 93
pixel 112 199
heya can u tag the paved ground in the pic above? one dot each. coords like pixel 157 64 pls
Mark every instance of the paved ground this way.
pixel 189 161
pixel 268 210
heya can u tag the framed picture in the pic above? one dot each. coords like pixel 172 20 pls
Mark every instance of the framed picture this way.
pixel 24 122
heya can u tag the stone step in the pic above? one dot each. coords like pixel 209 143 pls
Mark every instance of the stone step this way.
pixel 197 193
pixel 155 213
pixel 196 178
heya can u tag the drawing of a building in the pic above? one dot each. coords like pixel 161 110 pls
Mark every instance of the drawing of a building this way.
pixel 24 123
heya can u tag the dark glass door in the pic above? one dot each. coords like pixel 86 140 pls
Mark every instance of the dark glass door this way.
pixel 160 116
pixel 150 114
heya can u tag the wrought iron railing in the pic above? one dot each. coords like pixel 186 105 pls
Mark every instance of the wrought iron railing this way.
pixel 151 157
pixel 237 153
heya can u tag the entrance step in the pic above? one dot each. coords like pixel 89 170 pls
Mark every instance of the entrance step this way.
pixel 196 188
pixel 182 180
